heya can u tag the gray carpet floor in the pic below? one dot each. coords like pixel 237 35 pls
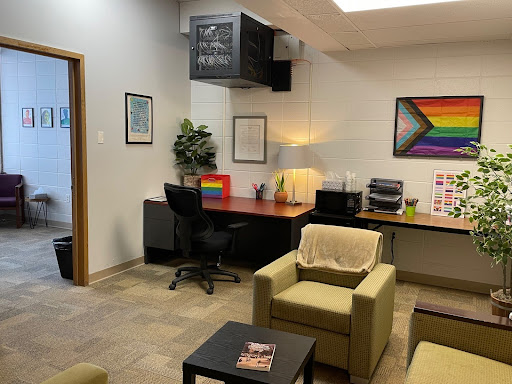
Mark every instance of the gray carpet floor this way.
pixel 133 326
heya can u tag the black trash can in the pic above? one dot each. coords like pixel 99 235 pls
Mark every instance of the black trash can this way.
pixel 64 251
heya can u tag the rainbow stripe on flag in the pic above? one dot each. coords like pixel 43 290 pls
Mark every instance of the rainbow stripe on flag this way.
pixel 437 126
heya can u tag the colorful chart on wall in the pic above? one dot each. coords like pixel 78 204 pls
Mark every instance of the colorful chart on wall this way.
pixel 445 196
pixel 436 126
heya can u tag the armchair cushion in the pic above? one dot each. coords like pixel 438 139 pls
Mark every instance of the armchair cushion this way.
pixel 315 304
pixel 8 183
pixel 6 202
pixel 433 364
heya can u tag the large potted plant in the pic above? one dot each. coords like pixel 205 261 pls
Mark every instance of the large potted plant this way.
pixel 193 153
pixel 488 206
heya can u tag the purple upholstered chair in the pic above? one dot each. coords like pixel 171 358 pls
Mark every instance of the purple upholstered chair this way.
pixel 11 196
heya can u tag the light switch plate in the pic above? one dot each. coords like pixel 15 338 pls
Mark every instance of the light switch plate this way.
pixel 100 137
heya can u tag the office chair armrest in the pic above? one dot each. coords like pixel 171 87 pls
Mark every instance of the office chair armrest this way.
pixel 236 226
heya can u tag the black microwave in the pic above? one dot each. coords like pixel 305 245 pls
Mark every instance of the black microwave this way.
pixel 338 202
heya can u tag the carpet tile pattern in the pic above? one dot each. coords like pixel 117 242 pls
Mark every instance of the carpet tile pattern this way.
pixel 133 326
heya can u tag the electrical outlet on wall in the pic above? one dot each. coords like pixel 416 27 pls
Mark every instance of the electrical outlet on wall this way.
pixel 100 137
pixel 68 198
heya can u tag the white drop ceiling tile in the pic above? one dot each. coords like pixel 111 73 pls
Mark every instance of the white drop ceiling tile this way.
pixel 429 14
pixel 354 38
pixel 462 66
pixel 463 31
pixel 458 86
pixel 358 47
pixel 309 7
pixel 497 65
pixel 332 23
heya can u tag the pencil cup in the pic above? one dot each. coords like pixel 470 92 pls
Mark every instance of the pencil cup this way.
pixel 409 211
pixel 259 195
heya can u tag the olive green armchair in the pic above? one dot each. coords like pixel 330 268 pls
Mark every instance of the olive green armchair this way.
pixel 448 345
pixel 350 316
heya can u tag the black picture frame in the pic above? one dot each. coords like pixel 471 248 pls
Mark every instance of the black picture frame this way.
pixel 24 120
pixel 262 143
pixel 397 153
pixel 138 137
pixel 42 113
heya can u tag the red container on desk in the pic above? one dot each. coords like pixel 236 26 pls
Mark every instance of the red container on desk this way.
pixel 215 185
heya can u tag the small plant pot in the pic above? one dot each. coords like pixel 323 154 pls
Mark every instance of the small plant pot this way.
pixel 500 307
pixel 192 181
pixel 280 197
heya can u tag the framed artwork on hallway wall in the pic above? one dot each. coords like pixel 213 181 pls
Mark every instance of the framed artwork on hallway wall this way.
pixel 436 126
pixel 46 117
pixel 139 119
pixel 27 117
pixel 65 118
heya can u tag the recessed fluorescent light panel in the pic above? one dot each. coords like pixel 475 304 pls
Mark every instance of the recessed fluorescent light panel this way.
pixel 366 5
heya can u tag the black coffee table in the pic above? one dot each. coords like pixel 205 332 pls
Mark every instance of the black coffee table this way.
pixel 218 356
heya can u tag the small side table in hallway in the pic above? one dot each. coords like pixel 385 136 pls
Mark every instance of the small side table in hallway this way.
pixel 41 206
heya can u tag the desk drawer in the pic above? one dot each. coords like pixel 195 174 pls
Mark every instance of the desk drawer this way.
pixel 158 211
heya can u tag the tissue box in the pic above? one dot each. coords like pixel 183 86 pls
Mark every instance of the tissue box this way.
pixel 333 185
pixel 38 196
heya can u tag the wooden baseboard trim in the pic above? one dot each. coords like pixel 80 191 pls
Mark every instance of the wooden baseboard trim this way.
pixel 445 282
pixel 100 275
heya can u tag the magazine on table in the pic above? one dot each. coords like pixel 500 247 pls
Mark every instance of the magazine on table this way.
pixel 256 356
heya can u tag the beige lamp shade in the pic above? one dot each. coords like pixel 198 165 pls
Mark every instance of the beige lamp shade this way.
pixel 293 156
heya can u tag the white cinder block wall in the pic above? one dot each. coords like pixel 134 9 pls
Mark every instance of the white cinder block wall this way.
pixel 41 155
pixel 352 124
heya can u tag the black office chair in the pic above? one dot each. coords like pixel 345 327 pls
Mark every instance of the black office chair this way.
pixel 196 234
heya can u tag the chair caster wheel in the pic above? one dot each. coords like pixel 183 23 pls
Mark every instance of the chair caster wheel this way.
pixel 237 280
pixel 172 287
pixel 209 291
pixel 177 274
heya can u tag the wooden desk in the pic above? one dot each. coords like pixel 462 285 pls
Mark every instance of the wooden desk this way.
pixel 418 221
pixel 273 230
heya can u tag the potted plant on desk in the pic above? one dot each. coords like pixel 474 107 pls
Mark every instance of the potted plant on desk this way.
pixel 193 153
pixel 490 209
pixel 280 195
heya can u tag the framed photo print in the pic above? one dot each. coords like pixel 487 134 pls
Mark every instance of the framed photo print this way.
pixel 139 119
pixel 65 118
pixel 27 117
pixel 46 117
pixel 250 139
pixel 445 195
pixel 437 126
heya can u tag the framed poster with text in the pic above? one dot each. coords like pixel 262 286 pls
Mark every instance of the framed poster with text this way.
pixel 250 139
pixel 139 119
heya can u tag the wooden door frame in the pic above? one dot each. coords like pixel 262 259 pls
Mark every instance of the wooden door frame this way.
pixel 76 70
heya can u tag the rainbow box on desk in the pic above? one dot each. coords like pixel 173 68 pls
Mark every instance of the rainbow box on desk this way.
pixel 215 185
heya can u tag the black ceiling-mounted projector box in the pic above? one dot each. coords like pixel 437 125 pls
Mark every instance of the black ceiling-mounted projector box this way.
pixel 231 50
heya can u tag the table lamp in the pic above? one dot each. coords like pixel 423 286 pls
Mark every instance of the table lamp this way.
pixel 293 156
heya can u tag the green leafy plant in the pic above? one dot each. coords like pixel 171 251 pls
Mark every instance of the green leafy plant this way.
pixel 192 150
pixel 489 207
pixel 280 180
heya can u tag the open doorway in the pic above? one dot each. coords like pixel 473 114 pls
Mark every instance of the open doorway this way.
pixel 52 120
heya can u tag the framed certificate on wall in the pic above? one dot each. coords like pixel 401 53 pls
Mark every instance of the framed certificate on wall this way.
pixel 139 119
pixel 250 139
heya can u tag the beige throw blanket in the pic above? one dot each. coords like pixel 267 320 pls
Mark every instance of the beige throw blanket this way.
pixel 339 249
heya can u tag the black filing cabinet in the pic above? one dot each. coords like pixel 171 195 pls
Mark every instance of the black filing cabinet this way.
pixel 159 228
